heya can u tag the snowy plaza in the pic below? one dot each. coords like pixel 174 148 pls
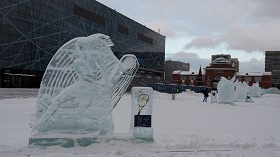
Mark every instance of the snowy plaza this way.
pixel 185 126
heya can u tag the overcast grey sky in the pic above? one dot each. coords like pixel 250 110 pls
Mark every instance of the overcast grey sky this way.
pixel 197 29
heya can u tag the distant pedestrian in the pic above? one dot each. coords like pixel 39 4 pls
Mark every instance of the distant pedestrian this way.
pixel 205 93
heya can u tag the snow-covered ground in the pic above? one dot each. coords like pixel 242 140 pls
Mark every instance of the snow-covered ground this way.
pixel 182 127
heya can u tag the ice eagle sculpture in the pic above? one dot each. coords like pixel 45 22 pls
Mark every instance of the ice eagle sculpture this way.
pixel 81 86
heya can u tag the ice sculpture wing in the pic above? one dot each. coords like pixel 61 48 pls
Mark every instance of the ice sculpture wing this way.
pixel 59 74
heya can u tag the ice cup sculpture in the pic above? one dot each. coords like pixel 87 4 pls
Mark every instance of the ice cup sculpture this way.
pixel 81 86
pixel 242 91
pixel 227 93
pixel 256 90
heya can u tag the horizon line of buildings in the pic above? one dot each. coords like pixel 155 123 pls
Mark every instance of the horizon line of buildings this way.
pixel 32 31
pixel 224 66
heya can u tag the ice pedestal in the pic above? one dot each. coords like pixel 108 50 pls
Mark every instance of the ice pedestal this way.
pixel 65 141
pixel 141 115
pixel 214 96
pixel 143 133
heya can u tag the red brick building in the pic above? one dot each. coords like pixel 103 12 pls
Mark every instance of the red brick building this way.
pixel 185 77
pixel 221 67
pixel 263 78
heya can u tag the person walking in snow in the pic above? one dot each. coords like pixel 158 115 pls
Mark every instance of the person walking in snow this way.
pixel 205 93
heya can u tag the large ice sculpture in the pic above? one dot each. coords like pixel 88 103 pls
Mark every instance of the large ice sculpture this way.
pixel 81 86
pixel 227 92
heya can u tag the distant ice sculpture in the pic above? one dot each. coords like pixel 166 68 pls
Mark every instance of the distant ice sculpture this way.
pixel 213 96
pixel 272 90
pixel 81 86
pixel 242 91
pixel 226 89
pixel 255 90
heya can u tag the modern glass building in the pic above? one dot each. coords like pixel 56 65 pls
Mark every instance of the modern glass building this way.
pixel 272 64
pixel 33 30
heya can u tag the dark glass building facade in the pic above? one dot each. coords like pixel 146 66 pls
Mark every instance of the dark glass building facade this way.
pixel 272 64
pixel 33 30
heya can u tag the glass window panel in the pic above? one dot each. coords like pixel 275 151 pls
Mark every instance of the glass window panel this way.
pixel 4 63
pixel 248 78
pixel 258 79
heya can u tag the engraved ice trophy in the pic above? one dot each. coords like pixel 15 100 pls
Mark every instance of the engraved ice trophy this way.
pixel 141 115
pixel 81 86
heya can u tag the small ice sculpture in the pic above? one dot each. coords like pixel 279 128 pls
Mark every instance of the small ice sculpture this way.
pixel 227 92
pixel 141 115
pixel 213 96
pixel 81 86
pixel 242 91
pixel 255 90
pixel 272 90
